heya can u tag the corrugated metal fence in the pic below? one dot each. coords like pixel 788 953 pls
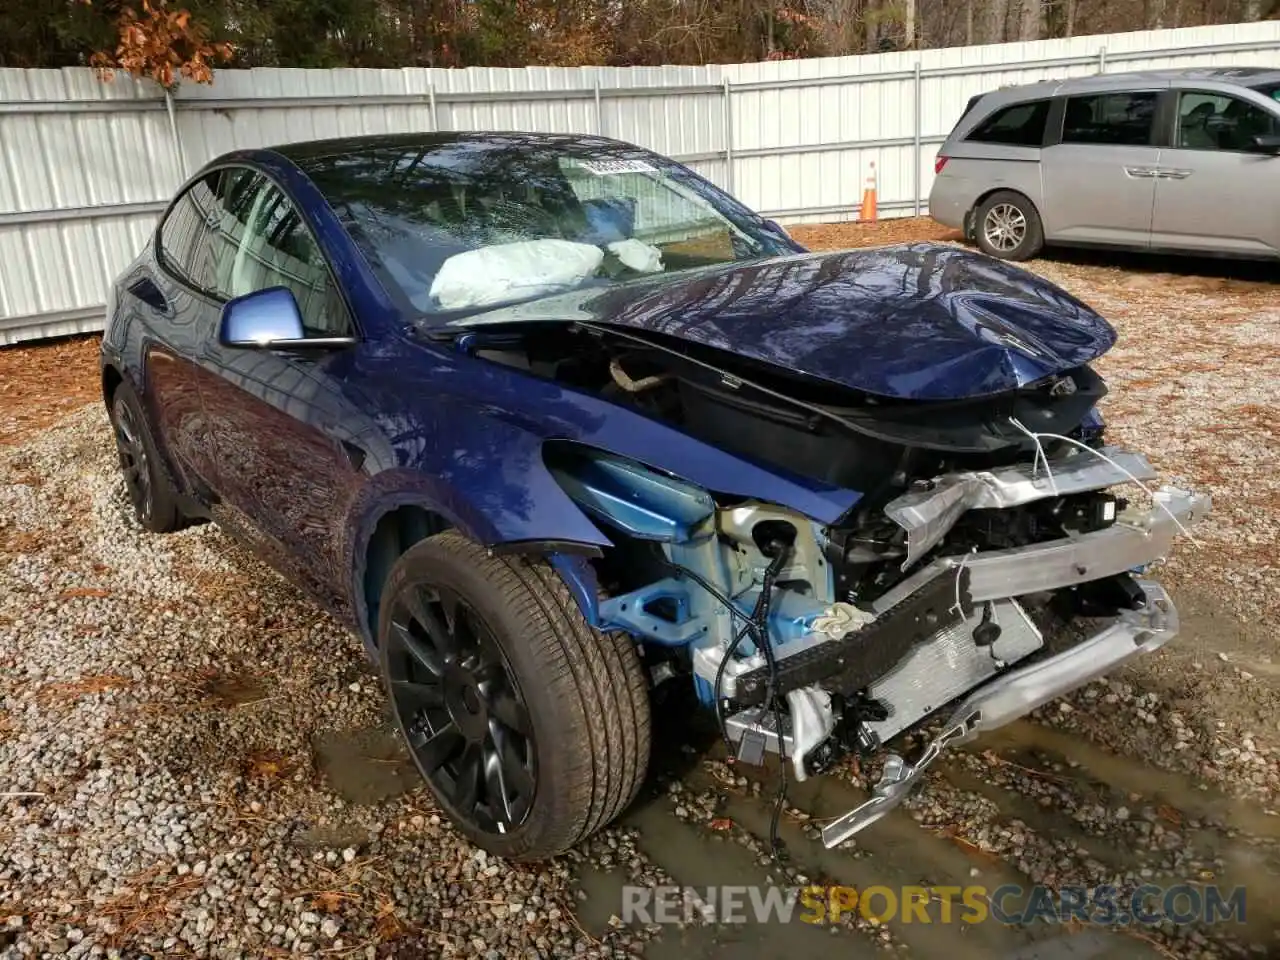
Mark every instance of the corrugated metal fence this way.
pixel 85 167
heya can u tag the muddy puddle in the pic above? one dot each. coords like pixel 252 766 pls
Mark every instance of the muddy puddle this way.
pixel 1030 804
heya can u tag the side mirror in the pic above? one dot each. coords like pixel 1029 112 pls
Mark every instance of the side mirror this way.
pixel 269 320
pixel 1268 143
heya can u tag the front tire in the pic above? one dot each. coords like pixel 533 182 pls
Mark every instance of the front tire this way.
pixel 146 481
pixel 1007 225
pixel 530 728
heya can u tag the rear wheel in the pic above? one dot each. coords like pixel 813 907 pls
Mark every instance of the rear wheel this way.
pixel 1007 225
pixel 531 729
pixel 146 481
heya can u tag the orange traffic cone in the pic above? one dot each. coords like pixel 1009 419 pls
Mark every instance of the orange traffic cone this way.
pixel 867 213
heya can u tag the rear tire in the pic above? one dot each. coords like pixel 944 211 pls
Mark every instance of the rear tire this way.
pixel 146 480
pixel 1007 225
pixel 531 729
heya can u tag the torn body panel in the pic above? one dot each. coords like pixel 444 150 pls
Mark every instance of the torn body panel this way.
pixel 973 549
pixel 963 625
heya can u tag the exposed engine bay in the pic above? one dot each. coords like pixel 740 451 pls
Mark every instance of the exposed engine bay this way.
pixel 988 567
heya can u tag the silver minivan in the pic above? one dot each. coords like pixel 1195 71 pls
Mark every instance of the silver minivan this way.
pixel 1172 160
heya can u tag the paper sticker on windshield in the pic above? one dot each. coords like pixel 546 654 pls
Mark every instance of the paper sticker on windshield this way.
pixel 606 168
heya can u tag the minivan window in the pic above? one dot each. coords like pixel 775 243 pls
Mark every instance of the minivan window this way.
pixel 1119 119
pixel 1216 121
pixel 1021 124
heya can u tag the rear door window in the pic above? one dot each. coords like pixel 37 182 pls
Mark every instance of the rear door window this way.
pixel 1117 119
pixel 184 235
pixel 1020 124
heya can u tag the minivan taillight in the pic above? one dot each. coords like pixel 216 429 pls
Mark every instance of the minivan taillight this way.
pixel 939 162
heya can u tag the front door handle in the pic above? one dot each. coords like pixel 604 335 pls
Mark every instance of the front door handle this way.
pixel 1166 173
pixel 1141 173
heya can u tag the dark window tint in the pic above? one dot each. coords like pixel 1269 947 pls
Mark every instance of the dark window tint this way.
pixel 184 233
pixel 1021 124
pixel 1215 121
pixel 1111 118
pixel 1271 90
pixel 259 241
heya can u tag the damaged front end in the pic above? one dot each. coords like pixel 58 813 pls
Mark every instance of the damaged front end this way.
pixel 1000 629
pixel 987 566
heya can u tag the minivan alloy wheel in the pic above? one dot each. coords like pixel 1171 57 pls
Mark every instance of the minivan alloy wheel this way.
pixel 466 723
pixel 1004 227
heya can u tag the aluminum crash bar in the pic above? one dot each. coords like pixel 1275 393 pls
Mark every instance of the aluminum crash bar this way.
pixel 1134 540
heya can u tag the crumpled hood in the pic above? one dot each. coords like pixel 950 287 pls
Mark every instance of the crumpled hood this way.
pixel 921 321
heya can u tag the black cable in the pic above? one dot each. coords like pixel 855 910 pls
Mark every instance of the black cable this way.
pixel 715 692
pixel 762 615
pixel 758 625
pixel 749 626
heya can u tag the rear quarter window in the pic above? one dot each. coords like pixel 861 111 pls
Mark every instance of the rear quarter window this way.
pixel 1019 124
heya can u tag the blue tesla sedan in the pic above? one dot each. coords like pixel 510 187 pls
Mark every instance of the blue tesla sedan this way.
pixel 552 421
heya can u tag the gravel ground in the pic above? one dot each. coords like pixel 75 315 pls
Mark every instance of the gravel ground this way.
pixel 194 760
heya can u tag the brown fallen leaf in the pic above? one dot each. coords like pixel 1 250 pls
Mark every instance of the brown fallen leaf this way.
pixel 328 901
pixel 721 824
pixel 1169 814
pixel 386 925
pixel 267 765
pixel 83 592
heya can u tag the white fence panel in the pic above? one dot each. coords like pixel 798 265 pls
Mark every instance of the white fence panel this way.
pixel 86 167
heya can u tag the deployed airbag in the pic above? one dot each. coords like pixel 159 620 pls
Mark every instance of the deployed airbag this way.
pixel 513 271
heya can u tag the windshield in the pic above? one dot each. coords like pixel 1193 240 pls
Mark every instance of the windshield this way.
pixel 482 221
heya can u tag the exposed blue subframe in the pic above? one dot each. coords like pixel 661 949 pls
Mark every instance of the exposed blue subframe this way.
pixel 674 611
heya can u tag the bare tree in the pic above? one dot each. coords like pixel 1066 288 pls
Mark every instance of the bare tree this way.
pixel 1031 21
pixel 995 21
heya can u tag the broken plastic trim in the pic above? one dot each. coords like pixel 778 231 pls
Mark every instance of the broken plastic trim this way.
pixel 739 380
pixel 510 547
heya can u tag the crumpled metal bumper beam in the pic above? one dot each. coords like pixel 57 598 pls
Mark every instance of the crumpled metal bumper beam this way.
pixel 1016 693
pixel 1137 538
pixel 927 514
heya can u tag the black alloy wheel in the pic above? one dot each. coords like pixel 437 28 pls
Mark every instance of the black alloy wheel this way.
pixel 146 480
pixel 135 464
pixel 460 707
pixel 531 728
